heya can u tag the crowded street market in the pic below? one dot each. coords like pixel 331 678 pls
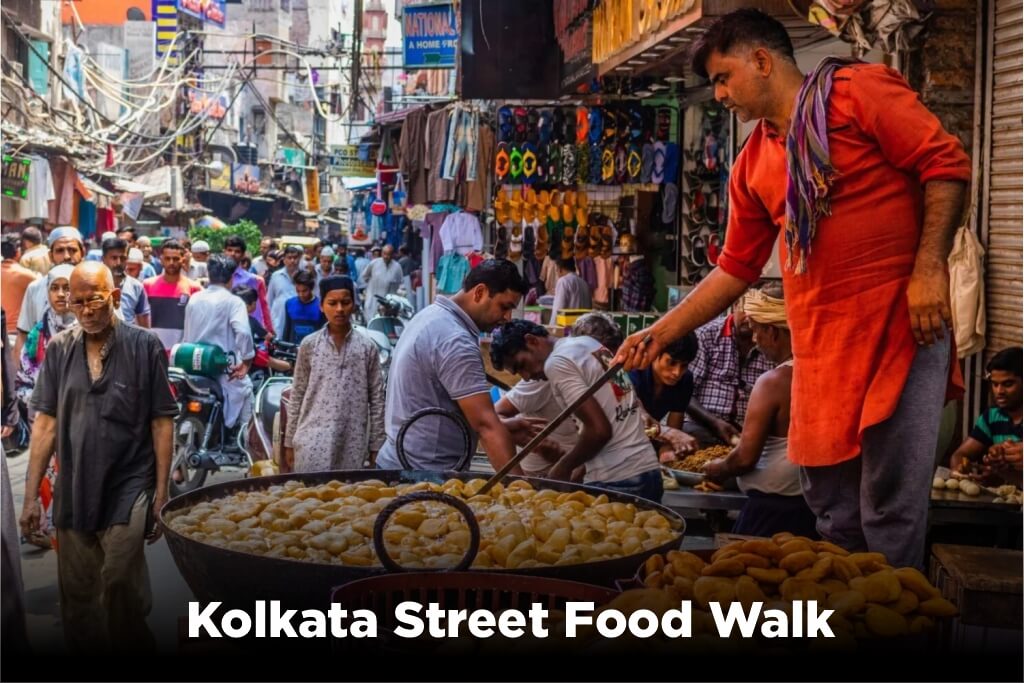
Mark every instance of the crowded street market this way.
pixel 664 307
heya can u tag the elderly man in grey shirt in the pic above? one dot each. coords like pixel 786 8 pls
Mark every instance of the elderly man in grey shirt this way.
pixel 437 363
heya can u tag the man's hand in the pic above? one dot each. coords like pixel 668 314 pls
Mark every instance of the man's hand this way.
pixel 716 469
pixel 241 370
pixel 560 471
pixel 6 431
pixel 679 441
pixel 523 429
pixel 159 499
pixel 31 516
pixel 639 350
pixel 666 454
pixel 726 432
pixel 928 301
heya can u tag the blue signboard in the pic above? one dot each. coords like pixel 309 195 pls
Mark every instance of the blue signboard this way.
pixel 212 11
pixel 430 37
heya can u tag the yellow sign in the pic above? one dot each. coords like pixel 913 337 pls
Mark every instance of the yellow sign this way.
pixel 312 190
pixel 621 24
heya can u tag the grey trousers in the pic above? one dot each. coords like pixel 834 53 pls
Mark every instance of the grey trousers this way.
pixel 878 501
pixel 104 587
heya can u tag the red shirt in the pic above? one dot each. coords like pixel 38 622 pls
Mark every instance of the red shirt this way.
pixel 848 313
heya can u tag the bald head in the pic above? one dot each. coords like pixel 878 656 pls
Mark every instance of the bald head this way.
pixel 94 298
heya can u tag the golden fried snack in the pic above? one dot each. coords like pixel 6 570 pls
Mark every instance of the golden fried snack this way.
pixel 681 560
pixel 937 607
pixel 844 569
pixel 799 589
pixel 733 548
pixel 794 545
pixel 881 587
pixel 752 560
pixel 921 624
pixel 882 621
pixel 794 562
pixel 767 549
pixel 906 603
pixel 748 591
pixel 847 603
pixel 833 586
pixel 915 581
pixel 826 547
pixel 769 576
pixel 708 589
pixel 727 567
pixel 817 571
pixel 865 560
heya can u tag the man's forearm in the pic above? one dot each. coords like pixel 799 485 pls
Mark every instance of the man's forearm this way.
pixel 701 414
pixel 498 444
pixel 587 446
pixel 162 429
pixel 943 206
pixel 44 439
pixel 712 296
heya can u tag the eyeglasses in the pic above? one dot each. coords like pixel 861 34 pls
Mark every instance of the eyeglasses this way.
pixel 91 304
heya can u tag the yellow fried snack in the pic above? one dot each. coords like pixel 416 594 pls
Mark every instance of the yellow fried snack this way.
pixel 767 549
pixel 937 607
pixel 844 569
pixel 847 603
pixel 794 545
pixel 817 571
pixel 921 624
pixel 708 589
pixel 915 581
pixel 769 576
pixel 882 621
pixel 906 603
pixel 794 562
pixel 748 591
pixel 752 560
pixel 799 589
pixel 826 547
pixel 726 550
pixel 881 587
pixel 727 567
pixel 865 560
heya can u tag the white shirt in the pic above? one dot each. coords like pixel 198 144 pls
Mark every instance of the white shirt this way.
pixel 218 317
pixel 33 304
pixel 40 190
pixel 461 232
pixel 380 279
pixel 574 365
pixel 572 291
pixel 533 398
pixel 279 290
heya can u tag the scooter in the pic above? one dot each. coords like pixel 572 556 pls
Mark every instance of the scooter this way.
pixel 393 313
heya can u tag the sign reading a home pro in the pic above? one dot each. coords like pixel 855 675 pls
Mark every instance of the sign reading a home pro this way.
pixel 430 37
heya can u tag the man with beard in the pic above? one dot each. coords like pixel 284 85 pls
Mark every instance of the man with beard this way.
pixel 169 294
pixel 134 302
pixel 66 246
pixel 437 362
pixel 104 405
pixel 382 277
pixel 282 286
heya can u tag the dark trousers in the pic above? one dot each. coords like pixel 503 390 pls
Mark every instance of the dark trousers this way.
pixel 646 485
pixel 766 514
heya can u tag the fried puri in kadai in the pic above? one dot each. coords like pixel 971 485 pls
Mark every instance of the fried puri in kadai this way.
pixel 520 527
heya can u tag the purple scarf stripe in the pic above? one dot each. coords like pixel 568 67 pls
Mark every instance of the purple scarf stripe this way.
pixel 810 171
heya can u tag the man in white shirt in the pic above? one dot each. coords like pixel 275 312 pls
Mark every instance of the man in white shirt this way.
pixel 218 317
pixel 382 277
pixel 612 445
pixel 135 308
pixel 282 287
pixel 572 291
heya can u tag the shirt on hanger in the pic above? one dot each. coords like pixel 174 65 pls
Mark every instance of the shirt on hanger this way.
pixel 461 232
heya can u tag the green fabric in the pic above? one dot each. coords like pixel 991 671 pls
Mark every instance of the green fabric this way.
pixel 994 427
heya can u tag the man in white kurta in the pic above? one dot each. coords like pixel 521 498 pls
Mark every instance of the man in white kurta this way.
pixel 382 277
pixel 218 317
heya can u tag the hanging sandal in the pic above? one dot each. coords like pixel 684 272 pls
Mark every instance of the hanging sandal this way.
pixel 569 164
pixel 584 165
pixel 568 241
pixel 502 162
pixel 714 249
pixel 543 244
pixel 634 164
pixel 582 242
pixel 658 173
pixel 529 163
pixel 501 243
pixel 582 125
pixel 515 245
pixel 515 165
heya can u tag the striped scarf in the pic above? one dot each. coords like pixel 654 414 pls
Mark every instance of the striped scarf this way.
pixel 807 159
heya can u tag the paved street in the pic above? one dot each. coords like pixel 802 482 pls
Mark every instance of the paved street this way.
pixel 39 569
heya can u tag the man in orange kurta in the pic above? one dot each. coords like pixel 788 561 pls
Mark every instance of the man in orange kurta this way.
pixel 867 296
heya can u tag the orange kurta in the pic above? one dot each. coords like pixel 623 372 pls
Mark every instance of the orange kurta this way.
pixel 848 313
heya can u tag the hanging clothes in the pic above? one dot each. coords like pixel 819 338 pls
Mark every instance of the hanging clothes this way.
pixel 452 269
pixel 478 191
pixel 605 269
pixel 461 232
pixel 86 218
pixel 412 153
pixel 39 192
pixel 967 292
pixel 435 141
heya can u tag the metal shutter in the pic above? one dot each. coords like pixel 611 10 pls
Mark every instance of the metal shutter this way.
pixel 1003 186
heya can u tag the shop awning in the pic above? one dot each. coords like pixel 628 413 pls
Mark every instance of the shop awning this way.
pixel 358 183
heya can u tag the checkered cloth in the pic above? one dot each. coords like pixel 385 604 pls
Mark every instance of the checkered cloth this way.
pixel 719 384
pixel 638 287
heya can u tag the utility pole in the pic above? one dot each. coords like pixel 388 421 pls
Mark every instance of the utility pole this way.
pixel 357 64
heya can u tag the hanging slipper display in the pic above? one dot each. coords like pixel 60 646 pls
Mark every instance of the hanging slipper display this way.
pixel 607 165
pixel 506 125
pixel 582 174
pixel 543 244
pixel 501 243
pixel 658 172
pixel 555 229
pixel 530 175
pixel 582 127
pixel 515 243
pixel 568 243
pixel 621 169
pixel 553 163
pixel 569 164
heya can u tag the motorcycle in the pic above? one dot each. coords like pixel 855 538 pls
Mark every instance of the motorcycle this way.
pixel 201 440
pixel 393 313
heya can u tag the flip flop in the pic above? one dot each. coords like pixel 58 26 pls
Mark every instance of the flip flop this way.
pixel 570 163
pixel 583 165
pixel 530 165
pixel 646 162
pixel 658 172
pixel 506 124
pixel 501 243
pixel 553 167
pixel 669 203
pixel 515 243
pixel 543 245
pixel 558 125
pixel 545 125
pixel 568 242
pixel 529 242
pixel 582 245
pixel 595 122
pixel 581 199
pixel 568 215
pixel 582 125
pixel 634 163
pixel 555 228
pixel 699 255
pixel 621 172
pixel 595 241
pixel 602 165
pixel 502 162
pixel 671 162
pixel 515 164
pixel 520 114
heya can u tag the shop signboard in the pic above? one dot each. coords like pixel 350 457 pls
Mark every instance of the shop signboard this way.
pixel 312 190
pixel 211 11
pixel 344 162
pixel 430 37
pixel 622 24
pixel 215 107
pixel 16 174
